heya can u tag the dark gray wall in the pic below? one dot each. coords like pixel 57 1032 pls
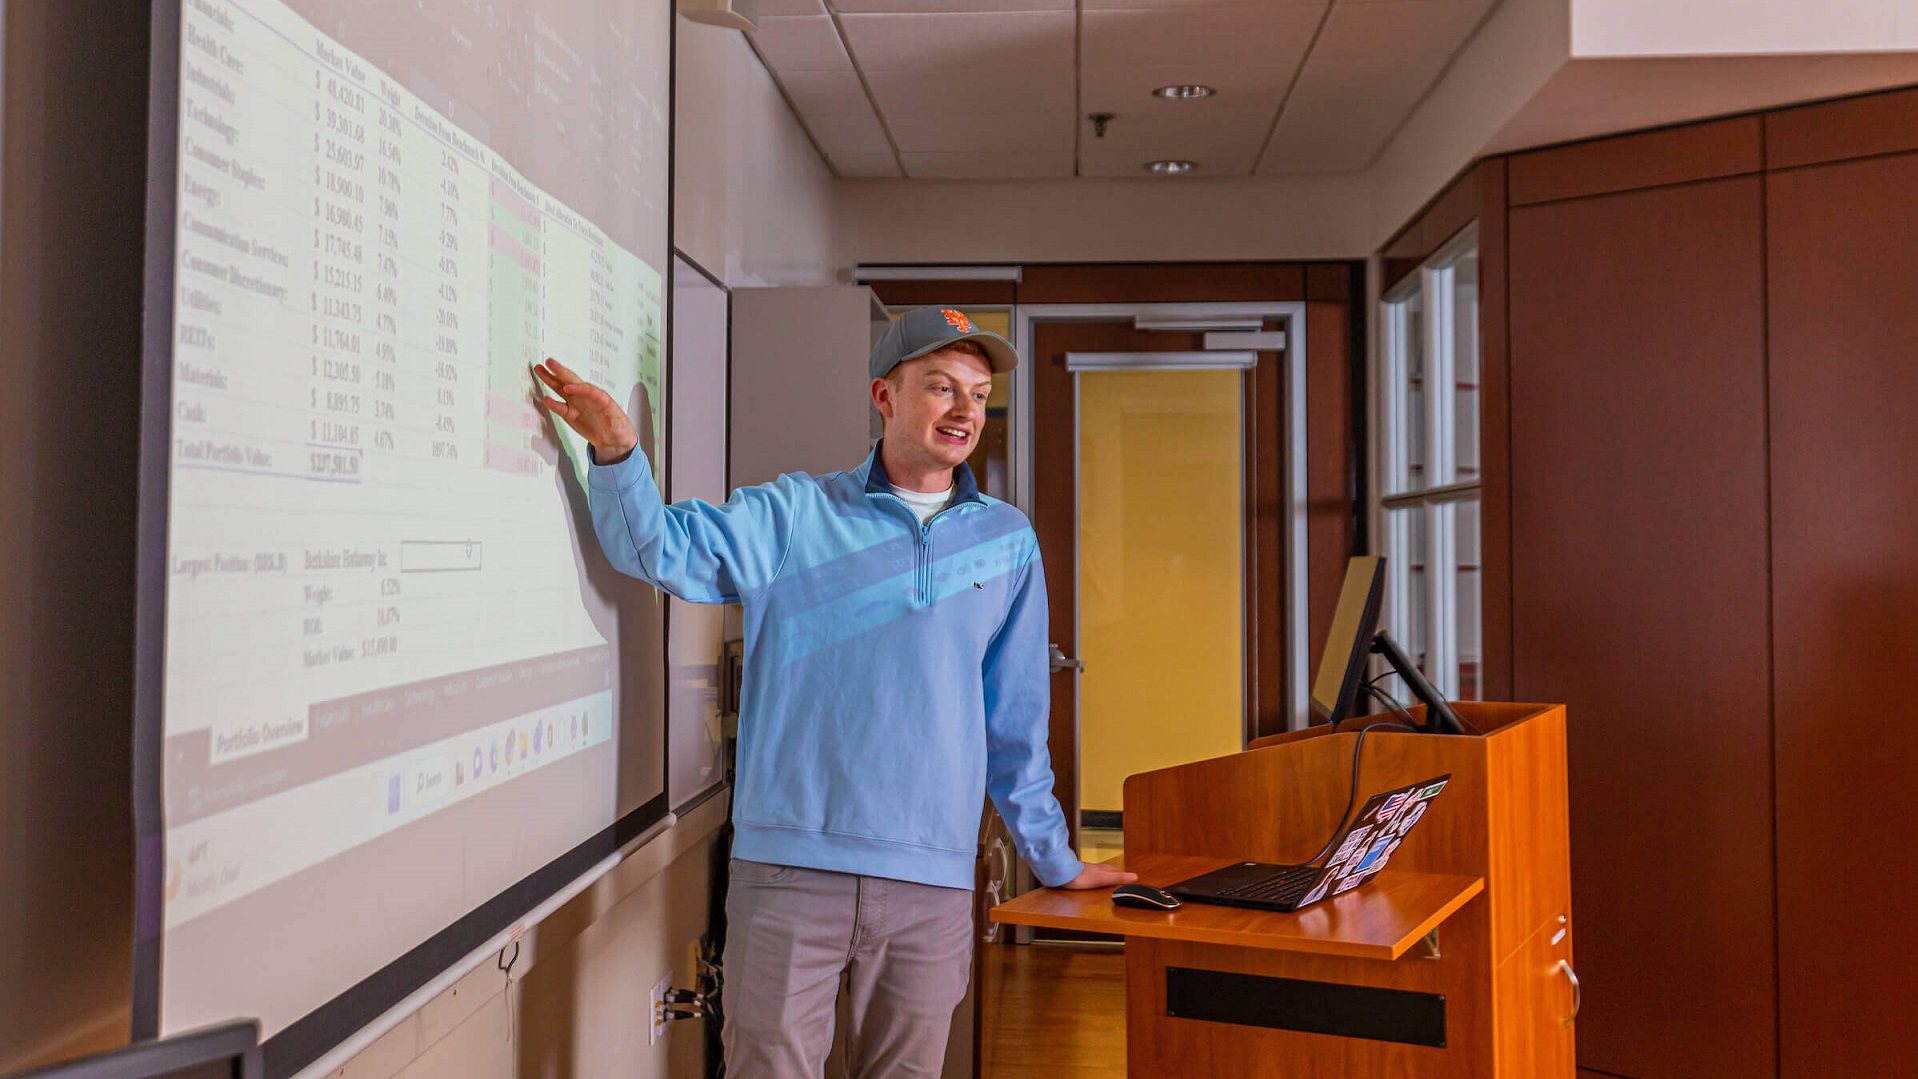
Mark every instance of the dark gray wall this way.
pixel 71 214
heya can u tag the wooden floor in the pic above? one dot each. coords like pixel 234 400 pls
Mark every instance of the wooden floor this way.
pixel 1053 1012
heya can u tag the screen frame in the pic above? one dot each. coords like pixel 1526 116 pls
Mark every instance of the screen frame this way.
pixel 308 1038
pixel 671 494
pixel 235 1044
pixel 1361 596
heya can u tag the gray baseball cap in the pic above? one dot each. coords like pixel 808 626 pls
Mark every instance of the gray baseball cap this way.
pixel 925 330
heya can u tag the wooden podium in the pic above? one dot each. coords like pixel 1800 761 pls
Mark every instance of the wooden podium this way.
pixel 1453 961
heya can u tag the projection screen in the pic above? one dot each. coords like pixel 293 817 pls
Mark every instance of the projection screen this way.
pixel 391 693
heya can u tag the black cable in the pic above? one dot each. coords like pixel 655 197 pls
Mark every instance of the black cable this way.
pixel 1393 703
pixel 1358 747
pixel 1387 699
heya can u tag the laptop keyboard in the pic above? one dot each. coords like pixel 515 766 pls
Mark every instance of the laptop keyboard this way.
pixel 1283 886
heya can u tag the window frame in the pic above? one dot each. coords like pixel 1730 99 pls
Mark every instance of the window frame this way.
pixel 1431 295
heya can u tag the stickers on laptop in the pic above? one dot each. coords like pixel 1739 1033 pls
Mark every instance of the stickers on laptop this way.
pixel 1373 837
pixel 1408 818
pixel 1375 858
pixel 1353 841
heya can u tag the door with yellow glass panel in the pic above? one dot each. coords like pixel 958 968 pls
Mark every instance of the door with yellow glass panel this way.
pixel 1141 493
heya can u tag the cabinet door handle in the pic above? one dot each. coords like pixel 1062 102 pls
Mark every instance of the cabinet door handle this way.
pixel 1578 995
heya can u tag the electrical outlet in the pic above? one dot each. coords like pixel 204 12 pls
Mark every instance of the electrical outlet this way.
pixel 659 1008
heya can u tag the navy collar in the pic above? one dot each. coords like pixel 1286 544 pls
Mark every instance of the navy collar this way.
pixel 964 487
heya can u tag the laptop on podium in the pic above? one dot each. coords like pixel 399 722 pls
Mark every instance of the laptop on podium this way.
pixel 1358 853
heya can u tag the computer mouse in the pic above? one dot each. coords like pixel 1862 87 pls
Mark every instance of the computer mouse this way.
pixel 1145 896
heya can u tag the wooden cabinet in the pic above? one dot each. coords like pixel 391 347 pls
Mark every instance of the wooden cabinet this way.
pixel 1708 435
pixel 1640 583
pixel 1844 451
pixel 1536 995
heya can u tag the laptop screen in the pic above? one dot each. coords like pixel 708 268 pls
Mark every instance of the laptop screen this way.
pixel 1373 836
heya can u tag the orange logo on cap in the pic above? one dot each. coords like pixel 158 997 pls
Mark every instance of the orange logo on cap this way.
pixel 958 319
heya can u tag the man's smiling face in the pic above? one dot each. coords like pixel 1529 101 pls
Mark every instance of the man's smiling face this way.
pixel 935 408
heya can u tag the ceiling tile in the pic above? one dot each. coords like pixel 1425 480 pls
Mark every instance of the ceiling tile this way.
pixel 848 7
pixel 1372 64
pixel 1044 164
pixel 1235 48
pixel 1249 54
pixel 1224 140
pixel 818 93
pixel 961 47
pixel 835 110
pixel 800 43
pixel 849 133
pixel 1033 114
pixel 963 83
pixel 865 166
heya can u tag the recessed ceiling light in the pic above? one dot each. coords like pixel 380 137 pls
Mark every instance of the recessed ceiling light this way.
pixel 1186 90
pixel 1170 168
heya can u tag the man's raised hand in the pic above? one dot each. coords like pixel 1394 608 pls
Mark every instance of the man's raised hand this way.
pixel 588 410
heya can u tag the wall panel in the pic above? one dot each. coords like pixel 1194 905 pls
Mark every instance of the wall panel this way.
pixel 70 288
pixel 1332 483
pixel 1844 462
pixel 1639 580
pixel 1673 155
pixel 1838 130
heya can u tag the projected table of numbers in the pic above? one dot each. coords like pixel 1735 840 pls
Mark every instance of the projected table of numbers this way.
pixel 374 563
pixel 402 275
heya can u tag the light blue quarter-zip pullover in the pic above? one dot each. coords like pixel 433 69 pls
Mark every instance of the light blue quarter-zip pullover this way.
pixel 895 672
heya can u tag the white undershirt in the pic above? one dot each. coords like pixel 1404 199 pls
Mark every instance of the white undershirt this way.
pixel 924 503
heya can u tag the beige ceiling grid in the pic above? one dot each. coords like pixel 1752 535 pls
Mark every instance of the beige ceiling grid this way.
pixel 1001 89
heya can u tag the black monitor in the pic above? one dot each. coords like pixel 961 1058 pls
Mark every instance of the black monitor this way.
pixel 227 1051
pixel 1354 637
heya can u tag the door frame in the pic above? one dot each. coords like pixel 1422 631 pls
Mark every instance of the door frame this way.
pixel 1292 368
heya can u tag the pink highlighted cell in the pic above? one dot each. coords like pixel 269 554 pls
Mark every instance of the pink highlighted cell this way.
pixel 513 462
pixel 513 203
pixel 514 413
pixel 514 251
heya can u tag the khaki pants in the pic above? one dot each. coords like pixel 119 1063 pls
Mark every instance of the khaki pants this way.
pixel 905 951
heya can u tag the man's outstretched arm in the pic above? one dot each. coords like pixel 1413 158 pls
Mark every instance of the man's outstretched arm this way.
pixel 697 551
pixel 1018 762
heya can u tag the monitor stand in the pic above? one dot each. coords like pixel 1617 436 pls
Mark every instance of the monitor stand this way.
pixel 1439 717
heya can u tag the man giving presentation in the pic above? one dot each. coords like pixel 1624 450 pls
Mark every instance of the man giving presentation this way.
pixel 896 673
